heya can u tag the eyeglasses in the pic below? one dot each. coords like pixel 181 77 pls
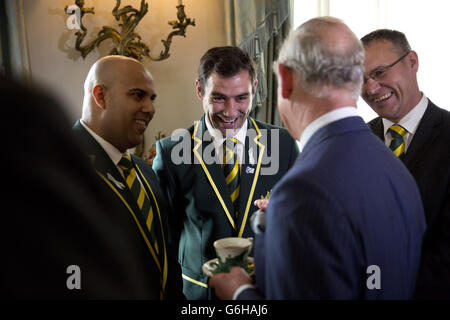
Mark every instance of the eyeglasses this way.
pixel 380 73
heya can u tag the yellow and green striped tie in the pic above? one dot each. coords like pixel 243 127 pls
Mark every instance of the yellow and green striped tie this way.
pixel 231 171
pixel 145 205
pixel 397 144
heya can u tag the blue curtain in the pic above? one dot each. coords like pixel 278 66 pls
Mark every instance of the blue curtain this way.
pixel 14 47
pixel 5 64
pixel 259 27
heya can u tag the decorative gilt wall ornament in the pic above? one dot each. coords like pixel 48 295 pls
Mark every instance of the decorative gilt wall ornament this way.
pixel 126 41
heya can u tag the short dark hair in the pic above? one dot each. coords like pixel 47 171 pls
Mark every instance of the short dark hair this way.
pixel 226 61
pixel 397 38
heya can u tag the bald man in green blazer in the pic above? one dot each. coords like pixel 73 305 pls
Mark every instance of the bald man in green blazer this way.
pixel 117 108
pixel 190 165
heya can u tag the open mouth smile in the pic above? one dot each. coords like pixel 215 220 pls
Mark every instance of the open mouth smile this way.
pixel 228 121
pixel 382 98
pixel 142 123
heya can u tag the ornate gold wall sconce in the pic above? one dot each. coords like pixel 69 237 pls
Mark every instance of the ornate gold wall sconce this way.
pixel 125 40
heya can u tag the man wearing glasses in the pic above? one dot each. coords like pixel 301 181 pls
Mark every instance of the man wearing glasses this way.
pixel 418 132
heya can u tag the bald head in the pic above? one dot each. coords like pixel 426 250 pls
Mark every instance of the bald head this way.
pixel 118 100
pixel 325 53
pixel 107 71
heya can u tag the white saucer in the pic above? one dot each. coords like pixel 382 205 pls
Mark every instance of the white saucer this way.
pixel 208 269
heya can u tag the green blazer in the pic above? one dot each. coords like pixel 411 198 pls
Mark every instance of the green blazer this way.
pixel 197 191
pixel 160 274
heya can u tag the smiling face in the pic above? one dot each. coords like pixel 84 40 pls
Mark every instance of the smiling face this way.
pixel 227 100
pixel 128 106
pixel 396 92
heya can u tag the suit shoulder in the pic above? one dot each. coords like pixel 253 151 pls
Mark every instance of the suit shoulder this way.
pixel 138 160
pixel 143 165
pixel 178 135
pixel 446 126
pixel 374 122
pixel 284 133
pixel 443 115
pixel 265 125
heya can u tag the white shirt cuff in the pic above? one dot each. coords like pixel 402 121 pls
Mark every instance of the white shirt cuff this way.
pixel 240 289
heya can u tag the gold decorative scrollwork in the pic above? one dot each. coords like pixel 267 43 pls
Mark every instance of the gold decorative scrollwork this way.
pixel 125 40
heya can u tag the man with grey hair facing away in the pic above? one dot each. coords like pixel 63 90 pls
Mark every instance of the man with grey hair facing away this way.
pixel 346 222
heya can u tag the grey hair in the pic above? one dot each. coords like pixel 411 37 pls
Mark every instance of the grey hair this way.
pixel 321 60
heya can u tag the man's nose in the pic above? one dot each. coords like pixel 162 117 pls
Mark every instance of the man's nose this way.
pixel 370 87
pixel 148 107
pixel 231 107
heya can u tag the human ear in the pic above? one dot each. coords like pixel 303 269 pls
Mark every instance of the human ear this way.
pixel 286 81
pixel 255 85
pixel 99 93
pixel 198 89
pixel 413 60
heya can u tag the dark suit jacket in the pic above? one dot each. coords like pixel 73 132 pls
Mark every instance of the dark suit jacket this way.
pixel 197 190
pixel 59 213
pixel 347 204
pixel 428 160
pixel 132 221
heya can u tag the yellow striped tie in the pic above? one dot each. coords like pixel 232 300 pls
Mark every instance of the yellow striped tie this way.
pixel 397 144
pixel 145 205
pixel 231 171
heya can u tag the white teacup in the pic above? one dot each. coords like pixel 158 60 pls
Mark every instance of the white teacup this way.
pixel 233 249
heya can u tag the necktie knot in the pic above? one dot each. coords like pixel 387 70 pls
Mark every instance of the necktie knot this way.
pixel 397 143
pixel 125 163
pixel 397 129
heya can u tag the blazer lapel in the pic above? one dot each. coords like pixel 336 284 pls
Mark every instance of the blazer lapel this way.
pixel 111 176
pixel 249 175
pixel 104 166
pixel 151 189
pixel 378 128
pixel 426 133
pixel 100 159
pixel 211 170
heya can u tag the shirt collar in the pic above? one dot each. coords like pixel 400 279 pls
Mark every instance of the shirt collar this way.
pixel 217 137
pixel 110 150
pixel 411 120
pixel 323 120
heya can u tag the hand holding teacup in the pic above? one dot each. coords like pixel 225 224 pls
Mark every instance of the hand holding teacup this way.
pixel 226 284
pixel 233 265
pixel 232 251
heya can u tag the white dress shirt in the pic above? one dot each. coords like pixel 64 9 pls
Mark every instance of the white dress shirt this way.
pixel 218 141
pixel 410 122
pixel 114 154
pixel 110 150
pixel 323 120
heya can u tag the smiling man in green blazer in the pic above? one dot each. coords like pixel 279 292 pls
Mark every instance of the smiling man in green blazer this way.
pixel 117 108
pixel 213 171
